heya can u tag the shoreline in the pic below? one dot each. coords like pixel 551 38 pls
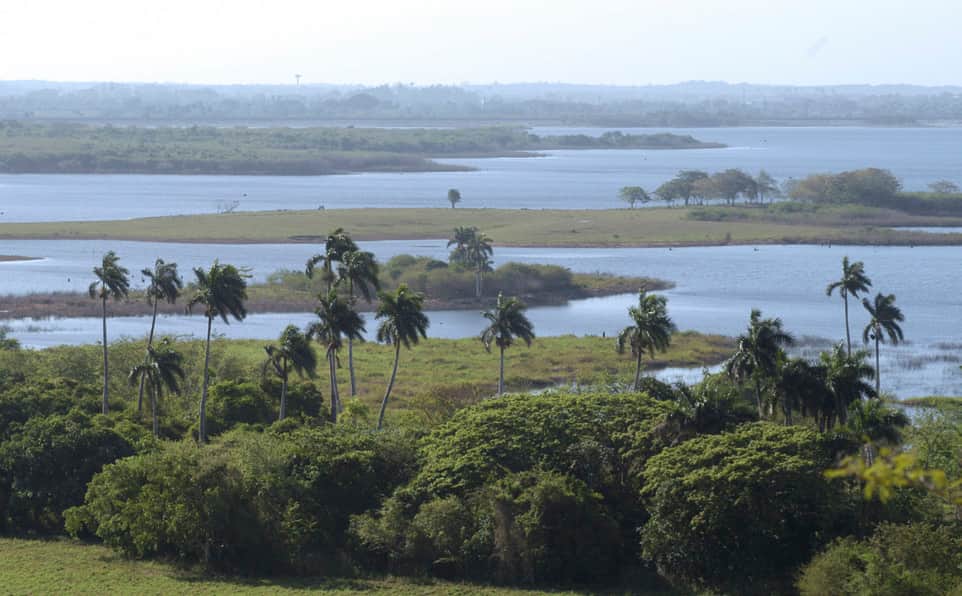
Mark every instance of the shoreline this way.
pixel 66 305
pixel 18 258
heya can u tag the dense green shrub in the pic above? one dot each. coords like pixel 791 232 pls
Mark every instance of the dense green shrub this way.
pixel 500 472
pixel 241 402
pixel 275 500
pixel 46 464
pixel 898 560
pixel 737 511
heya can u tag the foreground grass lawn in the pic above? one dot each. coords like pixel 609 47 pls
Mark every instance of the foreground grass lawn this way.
pixel 525 227
pixel 67 567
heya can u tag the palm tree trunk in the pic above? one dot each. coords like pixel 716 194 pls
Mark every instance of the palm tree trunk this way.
pixel 350 349
pixel 202 434
pixel 878 373
pixel 283 413
pixel 331 364
pixel 758 399
pixel 848 333
pixel 153 411
pixel 104 302
pixel 501 374
pixel 637 372
pixel 150 342
pixel 390 385
pixel 477 284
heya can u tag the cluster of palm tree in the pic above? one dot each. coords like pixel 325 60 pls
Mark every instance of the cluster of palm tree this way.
pixel 349 274
pixel 472 250
pixel 827 390
pixel 221 291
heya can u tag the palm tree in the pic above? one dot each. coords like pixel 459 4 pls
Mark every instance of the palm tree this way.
pixel 336 319
pixel 885 319
pixel 293 352
pixel 479 253
pixel 758 354
pixel 800 385
pixel 112 282
pixel 852 282
pixel 651 330
pixel 875 423
pixel 161 371
pixel 336 245
pixel 846 377
pixel 360 270
pixel 460 240
pixel 164 284
pixel 506 322
pixel 454 196
pixel 404 323
pixel 222 291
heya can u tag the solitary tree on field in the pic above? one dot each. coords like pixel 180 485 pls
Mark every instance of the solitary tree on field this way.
pixel 336 319
pixel 885 319
pixel 162 370
pixel 633 195
pixel 112 282
pixel 404 322
pixel 292 352
pixel 651 330
pixel 222 291
pixel 944 187
pixel 454 196
pixel 506 322
pixel 164 283
pixel 853 282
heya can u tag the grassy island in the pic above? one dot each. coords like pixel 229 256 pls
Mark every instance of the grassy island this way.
pixel 80 149
pixel 525 227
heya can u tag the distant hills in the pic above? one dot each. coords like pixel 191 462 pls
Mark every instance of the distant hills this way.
pixel 692 103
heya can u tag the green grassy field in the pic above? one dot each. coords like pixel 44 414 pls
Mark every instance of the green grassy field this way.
pixel 613 227
pixel 67 567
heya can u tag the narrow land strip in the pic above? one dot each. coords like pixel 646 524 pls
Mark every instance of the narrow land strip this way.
pixel 547 228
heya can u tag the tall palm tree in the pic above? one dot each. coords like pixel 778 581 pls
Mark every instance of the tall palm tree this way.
pixel 885 319
pixel 506 322
pixel 336 319
pixel 336 245
pixel 479 252
pixel 222 291
pixel 404 323
pixel 852 282
pixel 112 281
pixel 161 371
pixel 651 330
pixel 759 351
pixel 460 239
pixel 360 270
pixel 164 283
pixel 292 352
pixel 846 377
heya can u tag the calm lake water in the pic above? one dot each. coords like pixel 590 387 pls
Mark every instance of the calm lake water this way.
pixel 716 289
pixel 563 179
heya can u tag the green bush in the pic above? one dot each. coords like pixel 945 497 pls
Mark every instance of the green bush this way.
pixel 253 502
pixel 504 472
pixel 898 560
pixel 46 465
pixel 738 511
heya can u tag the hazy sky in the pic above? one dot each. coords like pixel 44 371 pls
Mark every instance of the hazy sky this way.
pixel 425 41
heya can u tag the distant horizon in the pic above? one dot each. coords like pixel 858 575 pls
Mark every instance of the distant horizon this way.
pixel 464 84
